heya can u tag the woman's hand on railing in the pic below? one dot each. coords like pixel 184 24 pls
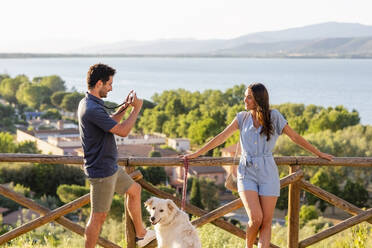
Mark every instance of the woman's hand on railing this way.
pixel 326 156
pixel 189 156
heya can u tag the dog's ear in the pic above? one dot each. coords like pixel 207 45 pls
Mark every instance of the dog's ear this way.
pixel 149 202
pixel 171 205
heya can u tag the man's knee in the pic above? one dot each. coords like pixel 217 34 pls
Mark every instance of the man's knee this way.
pixel 97 218
pixel 134 190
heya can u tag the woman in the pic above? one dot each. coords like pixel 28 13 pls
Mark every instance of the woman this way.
pixel 257 175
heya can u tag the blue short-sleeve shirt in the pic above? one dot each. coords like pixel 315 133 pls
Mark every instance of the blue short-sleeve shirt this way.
pixel 100 151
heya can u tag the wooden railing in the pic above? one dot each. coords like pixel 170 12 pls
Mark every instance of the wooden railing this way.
pixel 294 180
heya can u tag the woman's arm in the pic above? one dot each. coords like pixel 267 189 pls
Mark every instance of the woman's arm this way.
pixel 299 140
pixel 216 141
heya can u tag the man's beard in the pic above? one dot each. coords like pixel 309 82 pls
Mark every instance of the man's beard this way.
pixel 102 93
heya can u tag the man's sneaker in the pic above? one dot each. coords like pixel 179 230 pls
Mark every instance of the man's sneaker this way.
pixel 149 236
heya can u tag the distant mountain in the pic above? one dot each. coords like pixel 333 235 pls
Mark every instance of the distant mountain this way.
pixel 311 32
pixel 157 47
pixel 332 47
pixel 330 39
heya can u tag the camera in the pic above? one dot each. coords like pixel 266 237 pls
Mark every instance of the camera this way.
pixel 131 97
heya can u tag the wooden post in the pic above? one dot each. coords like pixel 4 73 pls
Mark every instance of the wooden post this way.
pixel 293 210
pixel 129 226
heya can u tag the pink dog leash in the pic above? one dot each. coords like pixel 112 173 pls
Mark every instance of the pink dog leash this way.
pixel 184 190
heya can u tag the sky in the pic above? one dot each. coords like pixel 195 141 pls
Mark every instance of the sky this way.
pixel 61 26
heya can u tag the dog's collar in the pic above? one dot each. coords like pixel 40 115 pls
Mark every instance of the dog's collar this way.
pixel 167 224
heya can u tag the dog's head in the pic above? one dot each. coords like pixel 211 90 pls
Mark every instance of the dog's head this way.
pixel 160 210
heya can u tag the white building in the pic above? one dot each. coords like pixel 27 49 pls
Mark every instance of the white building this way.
pixel 57 141
pixel 140 140
pixel 179 144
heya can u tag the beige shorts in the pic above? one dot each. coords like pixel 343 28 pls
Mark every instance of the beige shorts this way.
pixel 102 189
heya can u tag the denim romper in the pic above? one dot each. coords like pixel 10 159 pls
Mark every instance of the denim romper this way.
pixel 257 170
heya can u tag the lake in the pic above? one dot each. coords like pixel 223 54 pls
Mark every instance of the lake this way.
pixel 325 82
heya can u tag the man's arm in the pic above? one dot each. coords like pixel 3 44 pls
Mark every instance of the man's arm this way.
pixel 123 129
pixel 119 114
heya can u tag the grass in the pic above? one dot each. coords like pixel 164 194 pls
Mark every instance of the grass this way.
pixel 54 235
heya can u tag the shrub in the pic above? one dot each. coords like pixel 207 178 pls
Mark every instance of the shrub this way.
pixel 10 204
pixel 307 213
pixel 195 195
pixel 154 175
pixel 43 179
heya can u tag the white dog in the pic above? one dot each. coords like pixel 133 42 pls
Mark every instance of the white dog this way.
pixel 172 226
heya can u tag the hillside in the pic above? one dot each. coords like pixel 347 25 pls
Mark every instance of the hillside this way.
pixel 320 40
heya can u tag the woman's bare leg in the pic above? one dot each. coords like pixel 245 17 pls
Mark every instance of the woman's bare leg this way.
pixel 252 206
pixel 268 206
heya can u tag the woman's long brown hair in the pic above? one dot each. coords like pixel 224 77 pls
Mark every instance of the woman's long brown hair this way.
pixel 261 97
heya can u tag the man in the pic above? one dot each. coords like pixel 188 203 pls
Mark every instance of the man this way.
pixel 97 131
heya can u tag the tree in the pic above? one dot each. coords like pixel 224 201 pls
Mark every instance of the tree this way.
pixel 154 175
pixel 33 95
pixel 209 194
pixel 7 144
pixel 307 213
pixel 355 193
pixel 202 130
pixel 54 83
pixel 27 147
pixel 152 120
pixel 3 76
pixel 43 179
pixel 10 204
pixel 52 114
pixel 7 118
pixel 153 154
pixel 334 119
pixel 71 101
pixel 324 180
pixel 235 95
pixel 8 89
pixel 57 98
pixel 195 195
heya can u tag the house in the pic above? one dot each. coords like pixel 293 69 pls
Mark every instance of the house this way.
pixel 140 140
pixel 55 141
pixel 32 115
pixel 215 173
pixel 179 144
pixel 2 210
pixel 23 215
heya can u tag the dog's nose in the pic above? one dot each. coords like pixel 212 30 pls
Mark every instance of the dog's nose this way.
pixel 152 218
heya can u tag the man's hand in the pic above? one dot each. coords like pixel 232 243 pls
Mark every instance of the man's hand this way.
pixel 136 102
pixel 129 98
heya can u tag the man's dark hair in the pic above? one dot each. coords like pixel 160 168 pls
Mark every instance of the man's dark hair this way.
pixel 99 72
